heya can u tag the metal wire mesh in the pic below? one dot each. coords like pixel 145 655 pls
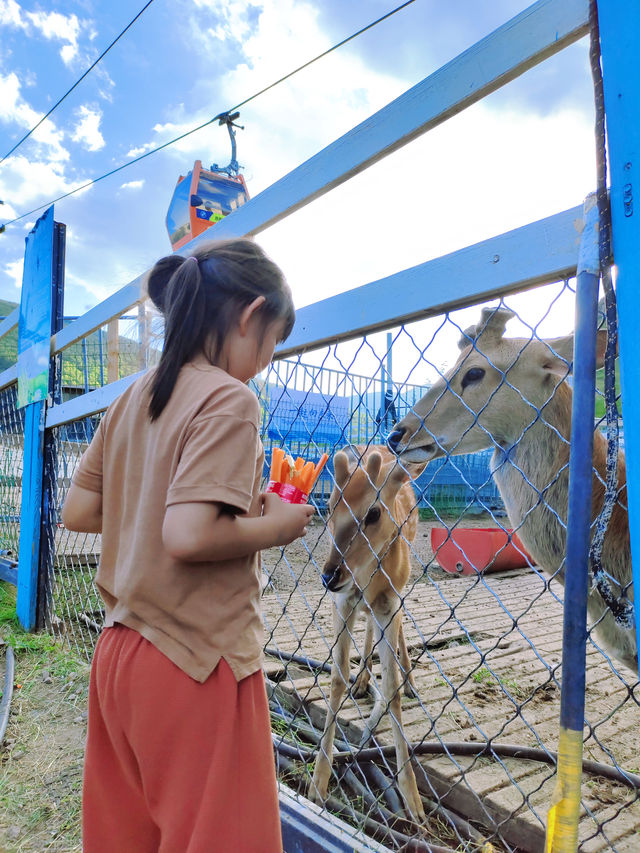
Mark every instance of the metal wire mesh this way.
pixel 125 346
pixel 482 623
pixel 485 643
pixel 74 609
pixel 11 449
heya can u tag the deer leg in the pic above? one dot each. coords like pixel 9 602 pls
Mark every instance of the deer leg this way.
pixel 388 631
pixel 406 667
pixel 361 685
pixel 339 684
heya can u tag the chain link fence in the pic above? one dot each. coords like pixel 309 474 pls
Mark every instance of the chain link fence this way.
pixel 11 450
pixel 474 710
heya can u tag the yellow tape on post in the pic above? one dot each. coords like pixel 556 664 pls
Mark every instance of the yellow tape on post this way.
pixel 564 814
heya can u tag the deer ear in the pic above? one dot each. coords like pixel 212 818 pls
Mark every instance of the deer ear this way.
pixel 558 356
pixel 373 465
pixel 397 474
pixel 493 322
pixel 341 468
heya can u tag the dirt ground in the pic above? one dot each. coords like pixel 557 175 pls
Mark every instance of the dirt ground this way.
pixel 41 759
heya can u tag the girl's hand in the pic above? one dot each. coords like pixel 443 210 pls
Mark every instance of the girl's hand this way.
pixel 289 520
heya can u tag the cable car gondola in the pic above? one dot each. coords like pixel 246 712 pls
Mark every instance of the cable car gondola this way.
pixel 203 197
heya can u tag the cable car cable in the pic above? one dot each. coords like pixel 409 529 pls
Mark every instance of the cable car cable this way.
pixel 69 91
pixel 210 121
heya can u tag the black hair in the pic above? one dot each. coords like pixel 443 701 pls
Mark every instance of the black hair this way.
pixel 202 296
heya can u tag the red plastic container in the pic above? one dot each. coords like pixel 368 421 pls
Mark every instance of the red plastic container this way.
pixel 288 493
pixel 469 550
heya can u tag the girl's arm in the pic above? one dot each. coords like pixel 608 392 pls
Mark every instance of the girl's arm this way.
pixel 82 510
pixel 198 532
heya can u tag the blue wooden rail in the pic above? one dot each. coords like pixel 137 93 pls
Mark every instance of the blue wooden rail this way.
pixel 537 253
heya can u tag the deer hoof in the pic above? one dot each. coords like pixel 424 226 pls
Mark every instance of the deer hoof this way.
pixel 361 688
pixel 410 690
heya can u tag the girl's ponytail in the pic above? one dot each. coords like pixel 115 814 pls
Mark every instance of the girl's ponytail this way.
pixel 201 297
pixel 175 288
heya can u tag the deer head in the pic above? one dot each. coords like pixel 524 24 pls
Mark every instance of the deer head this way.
pixel 362 519
pixel 495 391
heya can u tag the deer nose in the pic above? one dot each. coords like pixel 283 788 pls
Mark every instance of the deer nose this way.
pixel 394 438
pixel 330 576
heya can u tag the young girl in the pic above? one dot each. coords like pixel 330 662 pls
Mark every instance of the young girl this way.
pixel 179 756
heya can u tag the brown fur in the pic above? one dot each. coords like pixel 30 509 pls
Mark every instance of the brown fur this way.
pixel 367 568
pixel 500 410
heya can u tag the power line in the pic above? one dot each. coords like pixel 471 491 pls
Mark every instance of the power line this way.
pixel 69 91
pixel 210 121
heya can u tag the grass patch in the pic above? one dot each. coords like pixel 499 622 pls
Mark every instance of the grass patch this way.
pixel 41 758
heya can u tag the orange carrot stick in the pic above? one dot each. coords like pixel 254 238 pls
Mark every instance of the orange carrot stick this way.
pixel 277 457
pixel 318 470
pixel 299 463
pixel 307 474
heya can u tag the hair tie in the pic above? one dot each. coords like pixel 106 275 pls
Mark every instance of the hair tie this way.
pixel 192 258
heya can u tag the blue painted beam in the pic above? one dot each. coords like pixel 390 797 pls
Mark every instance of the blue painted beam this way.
pixel 114 306
pixel 8 376
pixel 307 829
pixel 9 322
pixel 540 31
pixel 8 571
pixel 620 45
pixel 88 404
pixel 34 328
pixel 541 252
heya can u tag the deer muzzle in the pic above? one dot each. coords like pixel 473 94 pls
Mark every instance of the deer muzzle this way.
pixel 399 442
pixel 332 575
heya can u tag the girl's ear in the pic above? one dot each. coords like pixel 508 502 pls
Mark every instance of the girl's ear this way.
pixel 248 312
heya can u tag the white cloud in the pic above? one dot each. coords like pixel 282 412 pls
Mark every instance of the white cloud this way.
pixel 232 20
pixel 10 15
pixel 132 185
pixel 14 270
pixel 87 130
pixel 57 27
pixel 136 152
pixel 14 109
pixel 31 180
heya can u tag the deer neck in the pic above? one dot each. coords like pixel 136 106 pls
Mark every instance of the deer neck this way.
pixel 532 475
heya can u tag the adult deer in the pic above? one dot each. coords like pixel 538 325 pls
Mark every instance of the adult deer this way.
pixel 373 519
pixel 510 394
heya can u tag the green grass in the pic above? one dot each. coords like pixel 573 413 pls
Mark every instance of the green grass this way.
pixel 40 794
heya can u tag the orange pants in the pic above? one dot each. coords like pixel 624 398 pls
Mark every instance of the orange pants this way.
pixel 172 765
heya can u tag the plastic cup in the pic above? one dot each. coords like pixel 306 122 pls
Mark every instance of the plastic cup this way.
pixel 287 493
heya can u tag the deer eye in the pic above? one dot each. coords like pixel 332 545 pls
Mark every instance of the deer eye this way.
pixel 372 516
pixel 474 374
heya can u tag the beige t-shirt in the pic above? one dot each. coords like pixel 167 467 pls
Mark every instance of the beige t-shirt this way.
pixel 204 447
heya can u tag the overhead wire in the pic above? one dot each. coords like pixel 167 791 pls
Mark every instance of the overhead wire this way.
pixel 78 81
pixel 215 118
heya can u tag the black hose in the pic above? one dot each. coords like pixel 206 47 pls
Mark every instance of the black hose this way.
pixel 308 662
pixel 7 692
pixel 491 749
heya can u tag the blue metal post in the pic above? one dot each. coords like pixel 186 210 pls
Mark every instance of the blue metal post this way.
pixel 620 49
pixel 34 328
pixel 562 826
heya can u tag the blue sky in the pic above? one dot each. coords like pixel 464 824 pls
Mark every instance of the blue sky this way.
pixel 524 153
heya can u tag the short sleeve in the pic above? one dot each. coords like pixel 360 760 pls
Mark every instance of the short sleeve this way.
pixel 89 472
pixel 217 463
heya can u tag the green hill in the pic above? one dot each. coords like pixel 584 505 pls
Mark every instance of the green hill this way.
pixel 77 360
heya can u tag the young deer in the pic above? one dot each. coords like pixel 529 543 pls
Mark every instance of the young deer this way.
pixel 373 518
pixel 510 394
